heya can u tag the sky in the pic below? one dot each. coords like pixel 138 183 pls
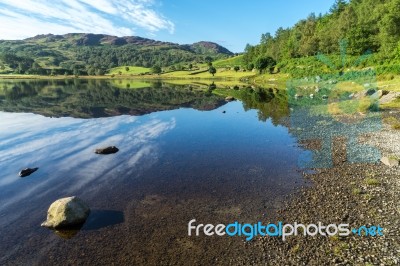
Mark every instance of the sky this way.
pixel 230 23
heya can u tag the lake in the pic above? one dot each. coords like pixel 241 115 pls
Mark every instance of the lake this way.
pixel 185 153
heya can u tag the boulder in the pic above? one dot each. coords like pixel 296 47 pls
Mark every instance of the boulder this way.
pixel 229 98
pixel 389 97
pixel 108 150
pixel 389 161
pixel 27 172
pixel 66 213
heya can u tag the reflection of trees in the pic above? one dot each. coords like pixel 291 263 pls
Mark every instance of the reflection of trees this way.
pixel 97 98
pixel 270 103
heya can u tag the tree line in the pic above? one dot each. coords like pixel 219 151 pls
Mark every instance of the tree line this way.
pixel 365 26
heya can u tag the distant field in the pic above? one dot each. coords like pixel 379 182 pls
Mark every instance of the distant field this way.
pixel 133 70
pixel 229 62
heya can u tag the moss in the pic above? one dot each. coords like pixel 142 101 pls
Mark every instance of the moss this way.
pixel 393 122
pixel 356 191
pixel 372 182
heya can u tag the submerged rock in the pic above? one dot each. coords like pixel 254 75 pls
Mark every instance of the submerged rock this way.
pixel 66 213
pixel 389 161
pixel 27 172
pixel 108 150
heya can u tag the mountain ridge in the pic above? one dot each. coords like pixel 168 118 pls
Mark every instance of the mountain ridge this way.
pixel 89 53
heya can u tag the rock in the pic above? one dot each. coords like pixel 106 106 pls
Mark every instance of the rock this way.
pixel 389 161
pixel 229 98
pixel 370 92
pixel 66 213
pixel 223 112
pixel 298 96
pixel 377 95
pixel 389 97
pixel 317 89
pixel 311 96
pixel 108 150
pixel 27 172
pixel 324 97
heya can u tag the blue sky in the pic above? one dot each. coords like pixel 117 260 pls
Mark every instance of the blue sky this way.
pixel 230 23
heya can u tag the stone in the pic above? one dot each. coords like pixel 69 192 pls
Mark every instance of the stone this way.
pixel 66 213
pixel 108 150
pixel 27 172
pixel 389 161
pixel 389 97
pixel 229 98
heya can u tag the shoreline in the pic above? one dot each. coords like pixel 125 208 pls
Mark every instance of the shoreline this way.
pixel 344 193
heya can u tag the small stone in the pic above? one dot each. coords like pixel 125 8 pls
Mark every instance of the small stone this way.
pixel 108 150
pixel 229 98
pixel 389 161
pixel 27 172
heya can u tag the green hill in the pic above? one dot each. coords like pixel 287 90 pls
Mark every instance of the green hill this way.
pixel 95 54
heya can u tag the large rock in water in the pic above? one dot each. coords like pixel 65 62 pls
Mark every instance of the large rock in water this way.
pixel 66 212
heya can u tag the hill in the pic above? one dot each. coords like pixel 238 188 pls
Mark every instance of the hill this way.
pixel 94 54
pixel 360 26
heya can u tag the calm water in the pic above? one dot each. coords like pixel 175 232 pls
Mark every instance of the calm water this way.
pixel 181 158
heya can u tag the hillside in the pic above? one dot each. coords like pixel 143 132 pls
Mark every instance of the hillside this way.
pixel 94 54
pixel 318 43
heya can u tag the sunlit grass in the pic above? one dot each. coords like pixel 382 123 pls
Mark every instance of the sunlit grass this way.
pixel 132 70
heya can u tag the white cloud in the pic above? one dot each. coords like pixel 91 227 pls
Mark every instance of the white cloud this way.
pixel 30 17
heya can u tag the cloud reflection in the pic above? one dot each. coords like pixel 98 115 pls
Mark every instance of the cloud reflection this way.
pixel 63 149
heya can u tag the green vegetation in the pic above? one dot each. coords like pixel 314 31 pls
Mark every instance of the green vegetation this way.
pixel 156 69
pixel 372 181
pixel 365 26
pixel 229 62
pixel 129 70
pixel 393 122
pixel 95 54
pixel 212 70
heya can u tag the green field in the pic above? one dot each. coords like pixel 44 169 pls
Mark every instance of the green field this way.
pixel 133 70
pixel 229 62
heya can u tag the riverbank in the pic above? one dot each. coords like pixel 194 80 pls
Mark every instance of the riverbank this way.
pixel 356 194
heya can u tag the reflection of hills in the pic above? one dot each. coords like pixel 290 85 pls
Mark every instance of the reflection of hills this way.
pixel 98 98
pixel 270 103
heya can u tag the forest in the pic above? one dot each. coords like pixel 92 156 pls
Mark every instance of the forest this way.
pixel 366 31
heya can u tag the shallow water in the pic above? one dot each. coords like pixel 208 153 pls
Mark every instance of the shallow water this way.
pixel 182 158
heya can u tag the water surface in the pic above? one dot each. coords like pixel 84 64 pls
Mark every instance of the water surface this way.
pixel 184 154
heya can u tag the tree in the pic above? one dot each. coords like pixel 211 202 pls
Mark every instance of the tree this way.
pixel 212 70
pixel 250 66
pixel 156 69
pixel 338 6
pixel 190 66
pixel 265 62
pixel 126 69
pixel 236 68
